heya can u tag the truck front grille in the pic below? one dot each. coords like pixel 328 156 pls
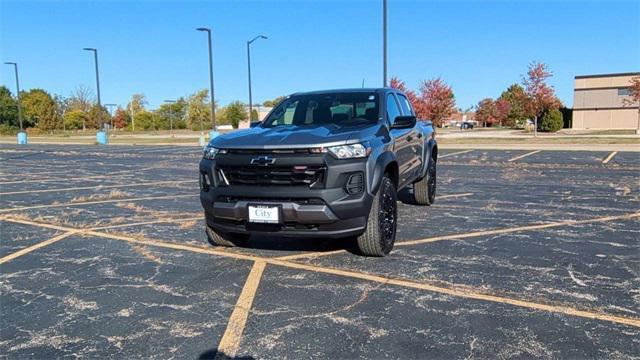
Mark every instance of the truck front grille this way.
pixel 273 175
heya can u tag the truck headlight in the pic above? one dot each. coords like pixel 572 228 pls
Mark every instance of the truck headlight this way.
pixel 349 151
pixel 210 152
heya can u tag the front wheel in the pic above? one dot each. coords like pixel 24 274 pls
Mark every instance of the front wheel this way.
pixel 424 191
pixel 380 235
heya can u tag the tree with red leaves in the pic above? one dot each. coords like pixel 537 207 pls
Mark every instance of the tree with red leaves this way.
pixel 541 96
pixel 396 83
pixel 486 112
pixel 503 109
pixel 437 102
pixel 634 97
pixel 120 119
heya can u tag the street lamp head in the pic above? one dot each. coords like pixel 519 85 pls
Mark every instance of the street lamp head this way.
pixel 10 63
pixel 203 29
pixel 89 49
pixel 256 38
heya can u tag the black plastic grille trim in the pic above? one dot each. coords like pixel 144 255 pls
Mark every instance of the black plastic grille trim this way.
pixel 273 175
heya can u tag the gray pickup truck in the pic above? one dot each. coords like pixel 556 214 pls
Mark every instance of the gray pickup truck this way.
pixel 321 164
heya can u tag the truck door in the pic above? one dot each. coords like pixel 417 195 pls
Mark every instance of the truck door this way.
pixel 402 140
pixel 417 140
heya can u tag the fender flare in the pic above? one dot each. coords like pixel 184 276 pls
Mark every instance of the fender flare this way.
pixel 427 156
pixel 381 164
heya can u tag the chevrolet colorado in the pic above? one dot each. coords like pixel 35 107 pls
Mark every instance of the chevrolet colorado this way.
pixel 321 164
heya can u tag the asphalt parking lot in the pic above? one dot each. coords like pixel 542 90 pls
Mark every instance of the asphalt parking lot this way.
pixel 526 254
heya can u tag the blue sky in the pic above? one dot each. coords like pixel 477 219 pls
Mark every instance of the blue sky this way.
pixel 478 47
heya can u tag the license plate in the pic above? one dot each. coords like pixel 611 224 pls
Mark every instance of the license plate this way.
pixel 264 214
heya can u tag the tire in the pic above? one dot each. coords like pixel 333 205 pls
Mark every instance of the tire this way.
pixel 424 191
pixel 380 235
pixel 216 238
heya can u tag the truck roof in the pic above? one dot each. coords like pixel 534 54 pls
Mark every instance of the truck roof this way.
pixel 351 90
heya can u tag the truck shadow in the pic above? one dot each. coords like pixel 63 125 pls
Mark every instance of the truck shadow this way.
pixel 279 243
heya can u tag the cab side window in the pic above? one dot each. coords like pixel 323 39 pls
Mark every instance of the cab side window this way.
pixel 404 104
pixel 392 109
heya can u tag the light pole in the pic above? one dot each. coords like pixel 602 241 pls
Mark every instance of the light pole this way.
pixel 170 115
pixel 213 101
pixel 95 58
pixel 249 69
pixel 384 43
pixel 15 69
pixel 22 135
pixel 110 109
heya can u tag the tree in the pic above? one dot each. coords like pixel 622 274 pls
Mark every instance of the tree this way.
pixel 517 99
pixel 503 108
pixel 235 113
pixel 97 116
pixel 81 99
pixel 198 110
pixel 172 112
pixel 8 108
pixel 486 112
pixel 137 103
pixel 74 119
pixel 121 118
pixel 411 95
pixel 438 102
pixel 634 97
pixel 144 120
pixel 40 110
pixel 551 120
pixel 541 96
pixel 274 102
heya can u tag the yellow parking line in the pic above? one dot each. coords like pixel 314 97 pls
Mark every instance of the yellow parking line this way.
pixel 98 187
pixel 235 327
pixel 36 246
pixel 608 158
pixel 33 223
pixel 173 220
pixel 72 178
pixel 475 234
pixel 524 155
pixel 96 202
pixel 463 293
pixel 453 196
pixel 455 290
pixel 455 153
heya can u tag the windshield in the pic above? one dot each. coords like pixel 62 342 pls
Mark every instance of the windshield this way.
pixel 353 108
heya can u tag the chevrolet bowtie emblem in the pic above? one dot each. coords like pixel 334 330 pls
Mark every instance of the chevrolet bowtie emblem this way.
pixel 263 161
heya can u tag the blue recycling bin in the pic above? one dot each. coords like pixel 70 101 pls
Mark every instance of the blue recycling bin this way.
pixel 101 137
pixel 22 138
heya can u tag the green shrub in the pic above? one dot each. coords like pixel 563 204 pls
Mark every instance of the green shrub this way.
pixel 551 121
pixel 6 129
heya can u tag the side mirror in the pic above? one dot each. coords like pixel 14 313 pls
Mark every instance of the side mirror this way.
pixel 254 124
pixel 404 122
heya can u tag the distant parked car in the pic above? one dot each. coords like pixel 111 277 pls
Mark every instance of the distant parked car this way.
pixel 466 126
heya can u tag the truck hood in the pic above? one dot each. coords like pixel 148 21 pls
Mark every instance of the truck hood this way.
pixel 288 137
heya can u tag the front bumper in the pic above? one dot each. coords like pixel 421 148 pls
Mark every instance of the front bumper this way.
pixel 322 210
